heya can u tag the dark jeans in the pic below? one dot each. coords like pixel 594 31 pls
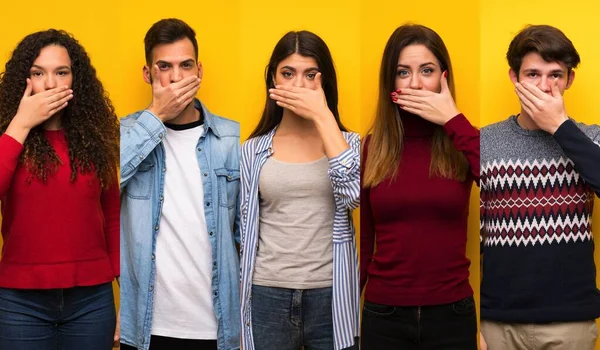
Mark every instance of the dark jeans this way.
pixel 166 343
pixel 440 327
pixel 289 319
pixel 57 319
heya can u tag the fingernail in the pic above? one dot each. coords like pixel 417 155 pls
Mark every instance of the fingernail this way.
pixel 445 74
pixel 394 99
pixel 393 94
pixel 401 106
pixel 399 91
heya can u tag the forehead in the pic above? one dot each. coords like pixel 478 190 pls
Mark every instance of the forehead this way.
pixel 533 61
pixel 298 61
pixel 177 51
pixel 416 54
pixel 53 55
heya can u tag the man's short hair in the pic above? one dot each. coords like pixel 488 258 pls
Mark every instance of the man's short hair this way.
pixel 167 31
pixel 549 42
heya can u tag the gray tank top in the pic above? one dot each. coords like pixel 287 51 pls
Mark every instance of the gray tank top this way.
pixel 297 207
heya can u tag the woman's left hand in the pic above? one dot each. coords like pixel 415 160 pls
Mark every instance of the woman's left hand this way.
pixel 437 108
pixel 117 337
pixel 306 103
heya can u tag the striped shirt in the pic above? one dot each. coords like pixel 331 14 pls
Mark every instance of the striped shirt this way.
pixel 344 173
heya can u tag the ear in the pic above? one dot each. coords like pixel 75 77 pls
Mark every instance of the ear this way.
pixel 200 70
pixel 513 76
pixel 147 76
pixel 571 79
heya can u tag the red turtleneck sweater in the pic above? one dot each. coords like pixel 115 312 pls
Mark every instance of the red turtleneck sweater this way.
pixel 419 224
pixel 59 234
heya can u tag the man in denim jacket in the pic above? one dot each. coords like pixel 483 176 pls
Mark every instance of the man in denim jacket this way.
pixel 179 208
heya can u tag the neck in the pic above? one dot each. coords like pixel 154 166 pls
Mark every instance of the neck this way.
pixel 290 122
pixel 189 115
pixel 53 123
pixel 526 122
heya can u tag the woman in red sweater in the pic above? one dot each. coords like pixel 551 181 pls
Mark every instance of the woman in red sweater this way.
pixel 59 199
pixel 420 160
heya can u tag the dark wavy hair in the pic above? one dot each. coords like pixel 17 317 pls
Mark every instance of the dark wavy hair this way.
pixel 305 44
pixel 90 123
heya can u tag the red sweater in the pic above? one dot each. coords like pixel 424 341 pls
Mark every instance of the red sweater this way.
pixel 56 235
pixel 419 224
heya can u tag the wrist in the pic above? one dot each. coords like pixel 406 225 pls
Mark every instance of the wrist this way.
pixel 17 131
pixel 156 113
pixel 555 126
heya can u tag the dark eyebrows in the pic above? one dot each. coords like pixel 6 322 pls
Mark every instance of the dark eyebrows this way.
pixel 310 69
pixel 189 60
pixel 58 68
pixel 420 66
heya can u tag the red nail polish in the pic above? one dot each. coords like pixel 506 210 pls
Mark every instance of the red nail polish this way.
pixel 399 91
pixel 445 74
pixel 394 99
pixel 393 94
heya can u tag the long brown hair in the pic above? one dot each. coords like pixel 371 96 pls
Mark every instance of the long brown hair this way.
pixel 387 133
pixel 305 44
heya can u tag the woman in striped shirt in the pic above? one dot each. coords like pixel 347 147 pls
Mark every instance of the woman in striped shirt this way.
pixel 300 181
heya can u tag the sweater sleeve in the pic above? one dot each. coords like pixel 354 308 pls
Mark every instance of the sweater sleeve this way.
pixel 110 209
pixel 367 225
pixel 583 151
pixel 10 151
pixel 465 138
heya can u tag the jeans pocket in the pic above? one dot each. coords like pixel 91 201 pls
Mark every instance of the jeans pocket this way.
pixel 464 307
pixel 379 309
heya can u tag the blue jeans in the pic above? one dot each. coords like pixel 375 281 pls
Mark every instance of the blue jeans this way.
pixel 289 319
pixel 57 319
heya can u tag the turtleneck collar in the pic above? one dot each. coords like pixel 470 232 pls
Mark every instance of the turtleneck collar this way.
pixel 415 126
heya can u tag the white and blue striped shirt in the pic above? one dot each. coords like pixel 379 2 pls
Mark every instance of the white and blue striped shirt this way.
pixel 344 173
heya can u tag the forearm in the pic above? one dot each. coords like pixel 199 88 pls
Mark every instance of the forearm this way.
pixel 10 151
pixel 465 138
pixel 333 139
pixel 582 151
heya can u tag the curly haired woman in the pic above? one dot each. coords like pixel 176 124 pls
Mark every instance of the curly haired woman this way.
pixel 59 198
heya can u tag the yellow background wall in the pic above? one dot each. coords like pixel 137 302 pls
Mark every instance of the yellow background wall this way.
pixel 501 21
pixel 378 22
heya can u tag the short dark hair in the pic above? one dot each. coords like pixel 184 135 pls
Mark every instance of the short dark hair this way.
pixel 167 31
pixel 549 42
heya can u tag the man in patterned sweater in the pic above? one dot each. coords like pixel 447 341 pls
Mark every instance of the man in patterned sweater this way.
pixel 540 173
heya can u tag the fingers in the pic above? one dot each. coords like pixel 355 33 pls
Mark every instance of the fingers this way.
pixel 444 82
pixel 64 97
pixel 186 83
pixel 55 110
pixel 524 100
pixel 525 94
pixel 414 92
pixel 188 97
pixel 408 104
pixel 59 95
pixel 534 90
pixel 408 98
pixel 154 78
pixel 282 93
pixel 318 82
pixel 285 105
pixel 28 88
pixel 555 90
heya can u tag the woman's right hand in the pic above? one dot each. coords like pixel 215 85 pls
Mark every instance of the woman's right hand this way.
pixel 36 109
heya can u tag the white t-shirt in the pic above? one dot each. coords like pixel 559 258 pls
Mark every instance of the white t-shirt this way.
pixel 183 305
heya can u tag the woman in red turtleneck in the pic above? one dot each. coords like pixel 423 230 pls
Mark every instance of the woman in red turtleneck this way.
pixel 420 160
pixel 59 199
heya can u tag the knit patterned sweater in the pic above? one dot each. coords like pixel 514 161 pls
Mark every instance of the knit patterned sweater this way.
pixel 537 197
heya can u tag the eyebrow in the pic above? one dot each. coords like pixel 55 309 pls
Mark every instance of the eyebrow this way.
pixel 306 70
pixel 422 65
pixel 189 60
pixel 535 70
pixel 57 68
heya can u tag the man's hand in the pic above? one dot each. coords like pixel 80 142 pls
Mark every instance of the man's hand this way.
pixel 169 101
pixel 546 110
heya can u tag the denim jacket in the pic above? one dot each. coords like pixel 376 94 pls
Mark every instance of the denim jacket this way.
pixel 344 173
pixel 142 189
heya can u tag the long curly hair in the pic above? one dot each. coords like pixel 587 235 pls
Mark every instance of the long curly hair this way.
pixel 90 122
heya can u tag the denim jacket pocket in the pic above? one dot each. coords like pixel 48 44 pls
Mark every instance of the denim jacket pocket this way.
pixel 140 185
pixel 229 186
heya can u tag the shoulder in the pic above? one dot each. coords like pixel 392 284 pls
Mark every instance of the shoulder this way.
pixel 226 126
pixel 592 130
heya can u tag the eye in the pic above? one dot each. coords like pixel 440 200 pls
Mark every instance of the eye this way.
pixel 311 76
pixel 427 70
pixel 286 74
pixel 188 65
pixel 402 73
pixel 163 66
pixel 62 73
pixel 557 75
pixel 36 74
pixel 532 74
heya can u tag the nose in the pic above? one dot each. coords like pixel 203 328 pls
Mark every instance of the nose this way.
pixel 415 82
pixel 176 75
pixel 544 84
pixel 299 81
pixel 50 82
